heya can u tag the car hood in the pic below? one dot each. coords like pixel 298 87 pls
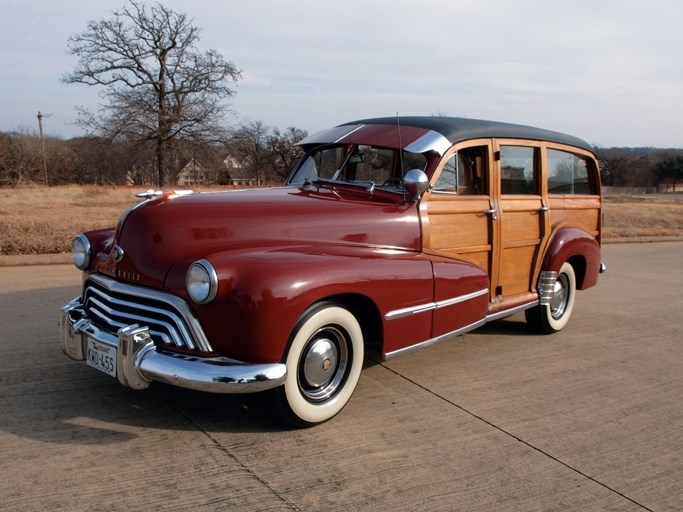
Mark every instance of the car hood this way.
pixel 159 233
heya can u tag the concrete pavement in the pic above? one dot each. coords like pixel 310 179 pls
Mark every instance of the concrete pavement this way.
pixel 590 418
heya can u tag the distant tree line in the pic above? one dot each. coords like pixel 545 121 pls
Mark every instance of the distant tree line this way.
pixel 252 153
pixel 651 169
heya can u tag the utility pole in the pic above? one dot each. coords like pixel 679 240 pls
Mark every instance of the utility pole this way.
pixel 42 144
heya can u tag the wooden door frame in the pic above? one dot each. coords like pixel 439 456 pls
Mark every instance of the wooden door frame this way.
pixel 541 192
pixel 488 173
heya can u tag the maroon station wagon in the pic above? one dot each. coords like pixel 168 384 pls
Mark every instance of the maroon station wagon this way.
pixel 388 236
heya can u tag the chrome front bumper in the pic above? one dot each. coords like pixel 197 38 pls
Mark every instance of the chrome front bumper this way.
pixel 138 362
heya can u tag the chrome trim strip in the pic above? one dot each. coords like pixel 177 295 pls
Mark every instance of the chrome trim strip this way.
pixel 456 300
pixel 433 341
pixel 196 331
pixel 331 135
pixel 139 361
pixel 355 129
pixel 462 330
pixel 430 141
pixel 508 312
pixel 423 308
pixel 402 313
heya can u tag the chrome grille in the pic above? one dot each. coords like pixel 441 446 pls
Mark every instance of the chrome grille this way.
pixel 114 305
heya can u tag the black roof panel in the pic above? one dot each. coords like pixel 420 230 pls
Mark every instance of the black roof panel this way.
pixel 458 129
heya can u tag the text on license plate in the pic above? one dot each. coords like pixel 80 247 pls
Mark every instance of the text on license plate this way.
pixel 102 357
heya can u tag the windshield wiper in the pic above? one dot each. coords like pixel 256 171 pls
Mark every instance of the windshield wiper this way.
pixel 369 186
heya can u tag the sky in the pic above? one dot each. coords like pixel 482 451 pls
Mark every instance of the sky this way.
pixel 607 71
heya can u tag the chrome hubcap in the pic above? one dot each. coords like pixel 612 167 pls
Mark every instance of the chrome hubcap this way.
pixel 323 364
pixel 319 362
pixel 558 302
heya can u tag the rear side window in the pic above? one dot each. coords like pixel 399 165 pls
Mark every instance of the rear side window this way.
pixel 518 170
pixel 567 173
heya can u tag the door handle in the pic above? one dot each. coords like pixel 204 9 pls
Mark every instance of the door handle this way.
pixel 544 209
pixel 492 212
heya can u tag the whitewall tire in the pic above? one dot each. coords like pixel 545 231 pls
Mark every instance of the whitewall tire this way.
pixel 553 317
pixel 324 361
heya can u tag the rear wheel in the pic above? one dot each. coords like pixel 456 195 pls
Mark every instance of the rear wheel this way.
pixel 324 362
pixel 553 317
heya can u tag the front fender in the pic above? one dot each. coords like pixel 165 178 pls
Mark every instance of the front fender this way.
pixel 581 248
pixel 262 293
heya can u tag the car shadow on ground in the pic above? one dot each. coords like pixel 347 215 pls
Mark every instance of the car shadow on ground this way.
pixel 48 397
pixel 512 326
pixel 67 402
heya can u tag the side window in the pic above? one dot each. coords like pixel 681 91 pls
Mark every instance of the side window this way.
pixel 518 170
pixel 464 172
pixel 323 164
pixel 567 173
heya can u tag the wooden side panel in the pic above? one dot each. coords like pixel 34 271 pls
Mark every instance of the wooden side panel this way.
pixel 521 227
pixel 459 228
pixel 521 234
pixel 582 212
pixel 514 273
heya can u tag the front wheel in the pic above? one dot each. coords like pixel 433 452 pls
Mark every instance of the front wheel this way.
pixel 324 361
pixel 553 317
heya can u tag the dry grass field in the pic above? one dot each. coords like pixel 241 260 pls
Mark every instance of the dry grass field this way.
pixel 652 215
pixel 40 220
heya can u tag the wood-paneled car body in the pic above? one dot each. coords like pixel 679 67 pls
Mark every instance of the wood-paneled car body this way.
pixel 387 236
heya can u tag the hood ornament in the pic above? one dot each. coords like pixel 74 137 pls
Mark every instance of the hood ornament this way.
pixel 153 194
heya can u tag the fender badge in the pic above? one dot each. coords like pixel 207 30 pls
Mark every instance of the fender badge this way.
pixel 117 254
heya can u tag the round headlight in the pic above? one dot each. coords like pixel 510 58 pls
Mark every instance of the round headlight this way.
pixel 202 282
pixel 80 252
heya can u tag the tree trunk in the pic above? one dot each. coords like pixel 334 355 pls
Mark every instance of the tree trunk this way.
pixel 160 152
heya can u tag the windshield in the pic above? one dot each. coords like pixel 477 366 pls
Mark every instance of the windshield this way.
pixel 357 164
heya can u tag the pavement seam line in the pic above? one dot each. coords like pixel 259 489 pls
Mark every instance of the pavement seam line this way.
pixel 232 455
pixel 513 436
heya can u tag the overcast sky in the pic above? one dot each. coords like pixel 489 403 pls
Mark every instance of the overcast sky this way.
pixel 610 72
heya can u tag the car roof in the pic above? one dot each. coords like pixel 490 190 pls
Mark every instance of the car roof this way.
pixel 420 134
pixel 459 129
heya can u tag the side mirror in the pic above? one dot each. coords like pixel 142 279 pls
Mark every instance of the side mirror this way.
pixel 415 182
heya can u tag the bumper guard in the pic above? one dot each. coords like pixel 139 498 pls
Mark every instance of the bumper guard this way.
pixel 138 362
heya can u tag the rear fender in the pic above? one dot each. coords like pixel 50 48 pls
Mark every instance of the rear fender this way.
pixel 580 249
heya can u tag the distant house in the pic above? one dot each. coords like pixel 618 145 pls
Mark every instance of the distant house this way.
pixel 192 174
pixel 240 174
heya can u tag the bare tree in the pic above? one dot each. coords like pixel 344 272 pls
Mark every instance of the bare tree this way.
pixel 102 161
pixel 249 145
pixel 24 162
pixel 283 147
pixel 5 156
pixel 268 153
pixel 614 166
pixel 159 87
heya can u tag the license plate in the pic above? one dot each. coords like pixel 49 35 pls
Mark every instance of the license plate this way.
pixel 102 357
